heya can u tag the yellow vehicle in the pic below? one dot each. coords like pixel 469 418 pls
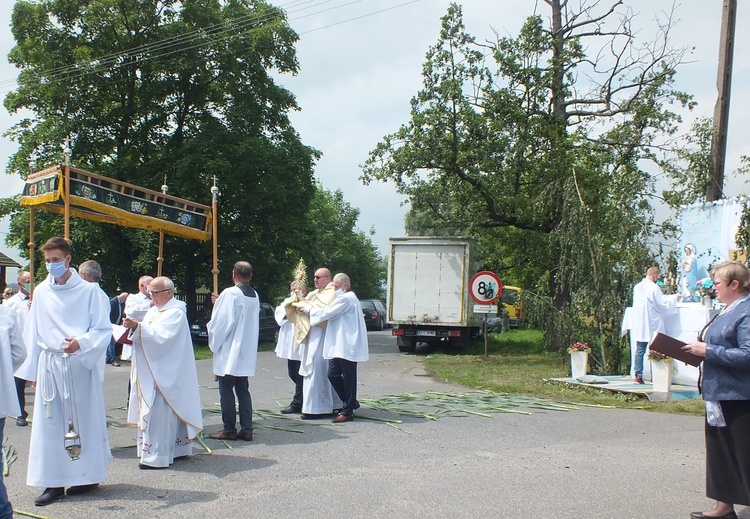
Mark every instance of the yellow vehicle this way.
pixel 511 300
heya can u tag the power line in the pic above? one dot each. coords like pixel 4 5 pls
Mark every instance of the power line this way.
pixel 196 39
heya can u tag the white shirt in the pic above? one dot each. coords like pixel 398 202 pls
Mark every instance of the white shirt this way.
pixel 12 355
pixel 285 344
pixel 649 308
pixel 19 303
pixel 346 333
pixel 233 333
pixel 136 306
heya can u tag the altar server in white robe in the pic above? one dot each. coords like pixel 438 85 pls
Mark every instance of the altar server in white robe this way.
pixel 67 336
pixel 233 339
pixel 286 348
pixel 318 397
pixel 345 343
pixel 12 354
pixel 164 399
pixel 136 306
pixel 20 304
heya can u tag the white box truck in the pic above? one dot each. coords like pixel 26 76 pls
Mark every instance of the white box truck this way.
pixel 428 291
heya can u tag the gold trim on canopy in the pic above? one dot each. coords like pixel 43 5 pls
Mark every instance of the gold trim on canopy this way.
pixel 103 199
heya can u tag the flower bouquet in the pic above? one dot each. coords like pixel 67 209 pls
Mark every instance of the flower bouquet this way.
pixel 578 346
pixel 656 355
pixel 705 289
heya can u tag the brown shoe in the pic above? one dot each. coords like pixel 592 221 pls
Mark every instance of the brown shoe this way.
pixel 242 435
pixel 343 418
pixel 223 435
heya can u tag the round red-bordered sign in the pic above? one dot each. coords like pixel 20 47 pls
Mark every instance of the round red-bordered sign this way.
pixel 485 287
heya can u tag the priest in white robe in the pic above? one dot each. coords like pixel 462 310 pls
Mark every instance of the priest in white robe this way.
pixel 233 339
pixel 345 343
pixel 164 398
pixel 318 397
pixel 12 354
pixel 66 336
pixel 287 349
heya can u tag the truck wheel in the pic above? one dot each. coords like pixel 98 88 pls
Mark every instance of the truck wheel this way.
pixel 406 345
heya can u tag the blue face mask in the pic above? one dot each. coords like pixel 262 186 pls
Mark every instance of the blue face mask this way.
pixel 57 270
pixel 340 291
pixel 27 287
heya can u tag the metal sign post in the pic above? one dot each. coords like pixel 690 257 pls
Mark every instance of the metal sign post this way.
pixel 485 288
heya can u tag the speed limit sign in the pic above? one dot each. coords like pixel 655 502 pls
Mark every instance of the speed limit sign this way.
pixel 485 287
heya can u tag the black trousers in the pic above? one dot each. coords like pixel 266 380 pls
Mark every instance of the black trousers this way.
pixel 343 376
pixel 21 391
pixel 228 386
pixel 728 455
pixel 292 367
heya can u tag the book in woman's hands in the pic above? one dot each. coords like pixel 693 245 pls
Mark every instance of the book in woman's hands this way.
pixel 673 348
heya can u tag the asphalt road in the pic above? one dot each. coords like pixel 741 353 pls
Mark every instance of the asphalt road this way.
pixel 583 463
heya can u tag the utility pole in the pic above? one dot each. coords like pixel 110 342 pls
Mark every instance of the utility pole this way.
pixel 715 187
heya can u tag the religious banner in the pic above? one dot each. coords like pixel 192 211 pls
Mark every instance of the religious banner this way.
pixel 708 237
pixel 94 197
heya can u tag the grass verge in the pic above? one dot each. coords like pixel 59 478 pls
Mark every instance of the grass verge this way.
pixel 518 364
pixel 202 351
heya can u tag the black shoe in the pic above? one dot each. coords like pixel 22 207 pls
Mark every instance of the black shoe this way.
pixel 701 515
pixel 21 421
pixel 143 466
pixel 291 409
pixel 306 416
pixel 81 489
pixel 50 495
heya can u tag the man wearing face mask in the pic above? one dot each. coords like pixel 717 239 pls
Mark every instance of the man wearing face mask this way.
pixel 20 303
pixel 67 335
pixel 345 343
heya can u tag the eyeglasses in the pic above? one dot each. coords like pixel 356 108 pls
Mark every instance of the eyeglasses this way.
pixel 153 292
pixel 318 277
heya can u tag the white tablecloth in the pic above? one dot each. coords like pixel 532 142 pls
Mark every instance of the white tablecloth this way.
pixel 685 325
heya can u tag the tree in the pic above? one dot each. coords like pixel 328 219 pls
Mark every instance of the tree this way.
pixel 539 157
pixel 167 91
pixel 335 243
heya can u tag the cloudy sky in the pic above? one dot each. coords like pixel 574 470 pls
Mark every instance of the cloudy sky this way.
pixel 361 64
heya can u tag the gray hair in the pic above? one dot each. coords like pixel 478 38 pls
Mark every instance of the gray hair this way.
pixel 92 270
pixel 342 278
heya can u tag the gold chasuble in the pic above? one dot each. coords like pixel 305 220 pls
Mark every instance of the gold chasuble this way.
pixel 301 321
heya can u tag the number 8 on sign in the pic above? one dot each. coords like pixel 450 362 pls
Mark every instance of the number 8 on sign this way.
pixel 485 287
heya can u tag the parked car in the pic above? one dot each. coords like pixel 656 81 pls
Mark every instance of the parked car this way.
pixel 374 312
pixel 269 328
pixel 494 325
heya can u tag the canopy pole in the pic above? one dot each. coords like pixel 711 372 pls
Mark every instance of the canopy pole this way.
pixel 160 257
pixel 67 152
pixel 31 246
pixel 214 234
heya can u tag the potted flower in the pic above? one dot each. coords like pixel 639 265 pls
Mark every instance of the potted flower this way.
pixel 579 357
pixel 706 292
pixel 661 371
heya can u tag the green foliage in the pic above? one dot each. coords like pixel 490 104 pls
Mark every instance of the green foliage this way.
pixel 333 241
pixel 178 93
pixel 543 169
